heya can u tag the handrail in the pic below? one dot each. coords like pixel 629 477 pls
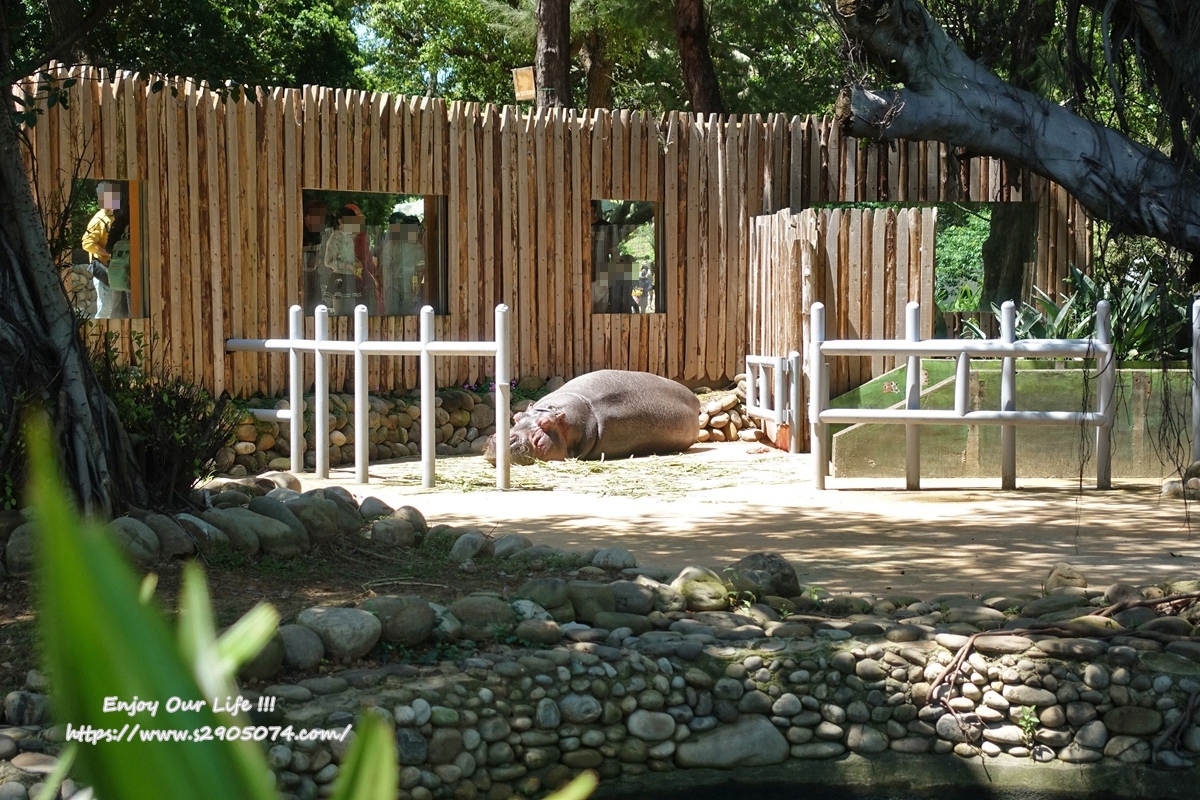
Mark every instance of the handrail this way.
pixel 1007 348
pixel 782 404
pixel 321 347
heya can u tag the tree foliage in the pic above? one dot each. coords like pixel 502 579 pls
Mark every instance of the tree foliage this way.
pixel 284 43
pixel 443 48
pixel 961 232
pixel 768 56
pixel 43 360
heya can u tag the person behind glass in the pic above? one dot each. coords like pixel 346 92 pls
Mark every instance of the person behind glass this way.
pixel 353 274
pixel 342 287
pixel 314 228
pixel 401 264
pixel 646 284
pixel 106 227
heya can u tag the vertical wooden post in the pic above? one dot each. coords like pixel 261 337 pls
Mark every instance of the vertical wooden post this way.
pixel 962 385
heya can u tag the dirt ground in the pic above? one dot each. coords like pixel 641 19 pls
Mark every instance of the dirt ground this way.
pixel 719 502
pixel 709 506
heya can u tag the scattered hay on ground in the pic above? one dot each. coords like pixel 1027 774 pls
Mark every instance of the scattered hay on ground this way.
pixel 658 476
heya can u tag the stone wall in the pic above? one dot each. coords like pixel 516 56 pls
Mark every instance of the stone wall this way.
pixel 527 720
pixel 463 422
pixel 636 673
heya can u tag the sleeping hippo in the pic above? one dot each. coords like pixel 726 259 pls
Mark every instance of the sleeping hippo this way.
pixel 610 413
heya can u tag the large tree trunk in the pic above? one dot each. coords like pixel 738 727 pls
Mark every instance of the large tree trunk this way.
pixel 1011 244
pixel 599 70
pixel 950 98
pixel 42 358
pixel 699 75
pixel 552 60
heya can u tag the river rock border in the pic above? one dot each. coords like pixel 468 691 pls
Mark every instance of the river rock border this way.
pixel 695 676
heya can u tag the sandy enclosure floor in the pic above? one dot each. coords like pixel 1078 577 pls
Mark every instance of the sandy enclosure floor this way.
pixel 719 502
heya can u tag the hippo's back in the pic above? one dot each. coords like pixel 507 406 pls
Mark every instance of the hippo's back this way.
pixel 637 413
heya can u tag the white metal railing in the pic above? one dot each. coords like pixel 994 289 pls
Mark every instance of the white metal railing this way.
pixel 321 346
pixel 912 416
pixel 773 392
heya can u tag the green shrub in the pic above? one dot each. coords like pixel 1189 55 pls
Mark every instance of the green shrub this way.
pixel 173 425
pixel 1149 319
pixel 958 278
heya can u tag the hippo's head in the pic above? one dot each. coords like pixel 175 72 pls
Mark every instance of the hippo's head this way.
pixel 536 435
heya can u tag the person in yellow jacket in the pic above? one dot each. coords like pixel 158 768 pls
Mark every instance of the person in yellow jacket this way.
pixel 110 303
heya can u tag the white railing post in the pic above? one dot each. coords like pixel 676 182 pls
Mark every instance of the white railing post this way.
pixel 1008 397
pixel 296 388
pixel 361 413
pixel 793 418
pixel 321 392
pixel 361 348
pixel 816 395
pixel 779 401
pixel 753 376
pixel 1108 387
pixel 912 397
pixel 1007 417
pixel 962 385
pixel 428 445
pixel 1195 380
pixel 503 397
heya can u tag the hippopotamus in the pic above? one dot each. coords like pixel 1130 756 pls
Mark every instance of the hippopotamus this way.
pixel 610 413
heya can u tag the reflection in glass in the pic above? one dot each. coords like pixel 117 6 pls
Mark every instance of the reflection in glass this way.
pixel 100 250
pixel 383 251
pixel 625 268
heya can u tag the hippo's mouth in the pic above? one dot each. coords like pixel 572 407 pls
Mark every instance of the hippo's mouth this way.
pixel 541 444
pixel 519 449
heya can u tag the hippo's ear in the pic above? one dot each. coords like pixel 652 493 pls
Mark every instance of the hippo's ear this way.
pixel 552 419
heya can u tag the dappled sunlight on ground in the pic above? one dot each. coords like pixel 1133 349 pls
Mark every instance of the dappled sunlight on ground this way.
pixel 714 506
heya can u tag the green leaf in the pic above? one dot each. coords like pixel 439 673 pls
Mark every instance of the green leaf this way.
pixel 146 592
pixel 53 781
pixel 247 637
pixel 100 642
pixel 369 770
pixel 579 789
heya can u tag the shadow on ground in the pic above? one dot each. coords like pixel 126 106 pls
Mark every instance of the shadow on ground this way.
pixel 869 538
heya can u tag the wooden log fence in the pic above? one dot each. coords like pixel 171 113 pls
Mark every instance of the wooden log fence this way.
pixel 864 265
pixel 221 181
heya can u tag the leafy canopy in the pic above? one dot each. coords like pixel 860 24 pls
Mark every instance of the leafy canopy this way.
pixel 769 56
pixel 282 43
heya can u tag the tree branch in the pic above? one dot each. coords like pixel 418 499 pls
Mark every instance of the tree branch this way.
pixel 951 99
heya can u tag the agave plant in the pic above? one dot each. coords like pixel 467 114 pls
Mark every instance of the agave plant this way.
pixel 1148 318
